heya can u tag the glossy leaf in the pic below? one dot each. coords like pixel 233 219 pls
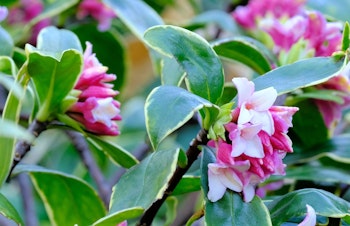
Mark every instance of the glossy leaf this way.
pixel 115 152
pixel 53 79
pixel 105 42
pixel 8 66
pixel 171 72
pixel 136 14
pixel 187 184
pixel 148 188
pixel 318 173
pixel 6 43
pixel 168 108
pixel 9 211
pixel 231 209
pixel 204 73
pixel 337 149
pixel 245 50
pixel 298 75
pixel 80 206
pixel 293 204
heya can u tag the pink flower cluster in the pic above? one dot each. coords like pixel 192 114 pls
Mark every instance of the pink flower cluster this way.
pixel 98 11
pixel 25 12
pixel 287 22
pixel 96 108
pixel 255 143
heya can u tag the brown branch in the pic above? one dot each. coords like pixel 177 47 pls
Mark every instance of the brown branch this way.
pixel 27 199
pixel 23 147
pixel 192 154
pixel 83 149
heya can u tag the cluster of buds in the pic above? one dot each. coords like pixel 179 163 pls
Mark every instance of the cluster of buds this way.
pixel 288 22
pixel 96 108
pixel 254 145
pixel 99 11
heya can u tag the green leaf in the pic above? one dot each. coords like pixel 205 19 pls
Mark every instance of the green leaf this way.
pixel 317 173
pixel 171 205
pixel 120 216
pixel 312 131
pixel 204 73
pixel 298 75
pixel 115 152
pixel 11 112
pixel 7 210
pixel 294 203
pixel 53 79
pixel 80 206
pixel 8 66
pixel 172 73
pixel 167 108
pixel 136 14
pixel 319 94
pixel 246 50
pixel 139 187
pixel 103 43
pixel 53 42
pixel 13 130
pixel 231 209
pixel 188 183
pixel 336 149
pixel 6 43
pixel 346 37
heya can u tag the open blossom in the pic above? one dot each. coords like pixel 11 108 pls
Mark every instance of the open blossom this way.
pixel 255 143
pixel 96 108
pixel 99 11
pixel 24 12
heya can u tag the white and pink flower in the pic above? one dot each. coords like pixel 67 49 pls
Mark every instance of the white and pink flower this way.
pixel 256 142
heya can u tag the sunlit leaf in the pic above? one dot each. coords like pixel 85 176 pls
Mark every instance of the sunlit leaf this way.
pixel 204 73
pixel 298 75
pixel 187 184
pixel 168 108
pixel 245 50
pixel 127 196
pixel 81 204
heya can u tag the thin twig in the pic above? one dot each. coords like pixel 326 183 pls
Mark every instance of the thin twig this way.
pixel 23 147
pixel 192 154
pixel 27 199
pixel 83 149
